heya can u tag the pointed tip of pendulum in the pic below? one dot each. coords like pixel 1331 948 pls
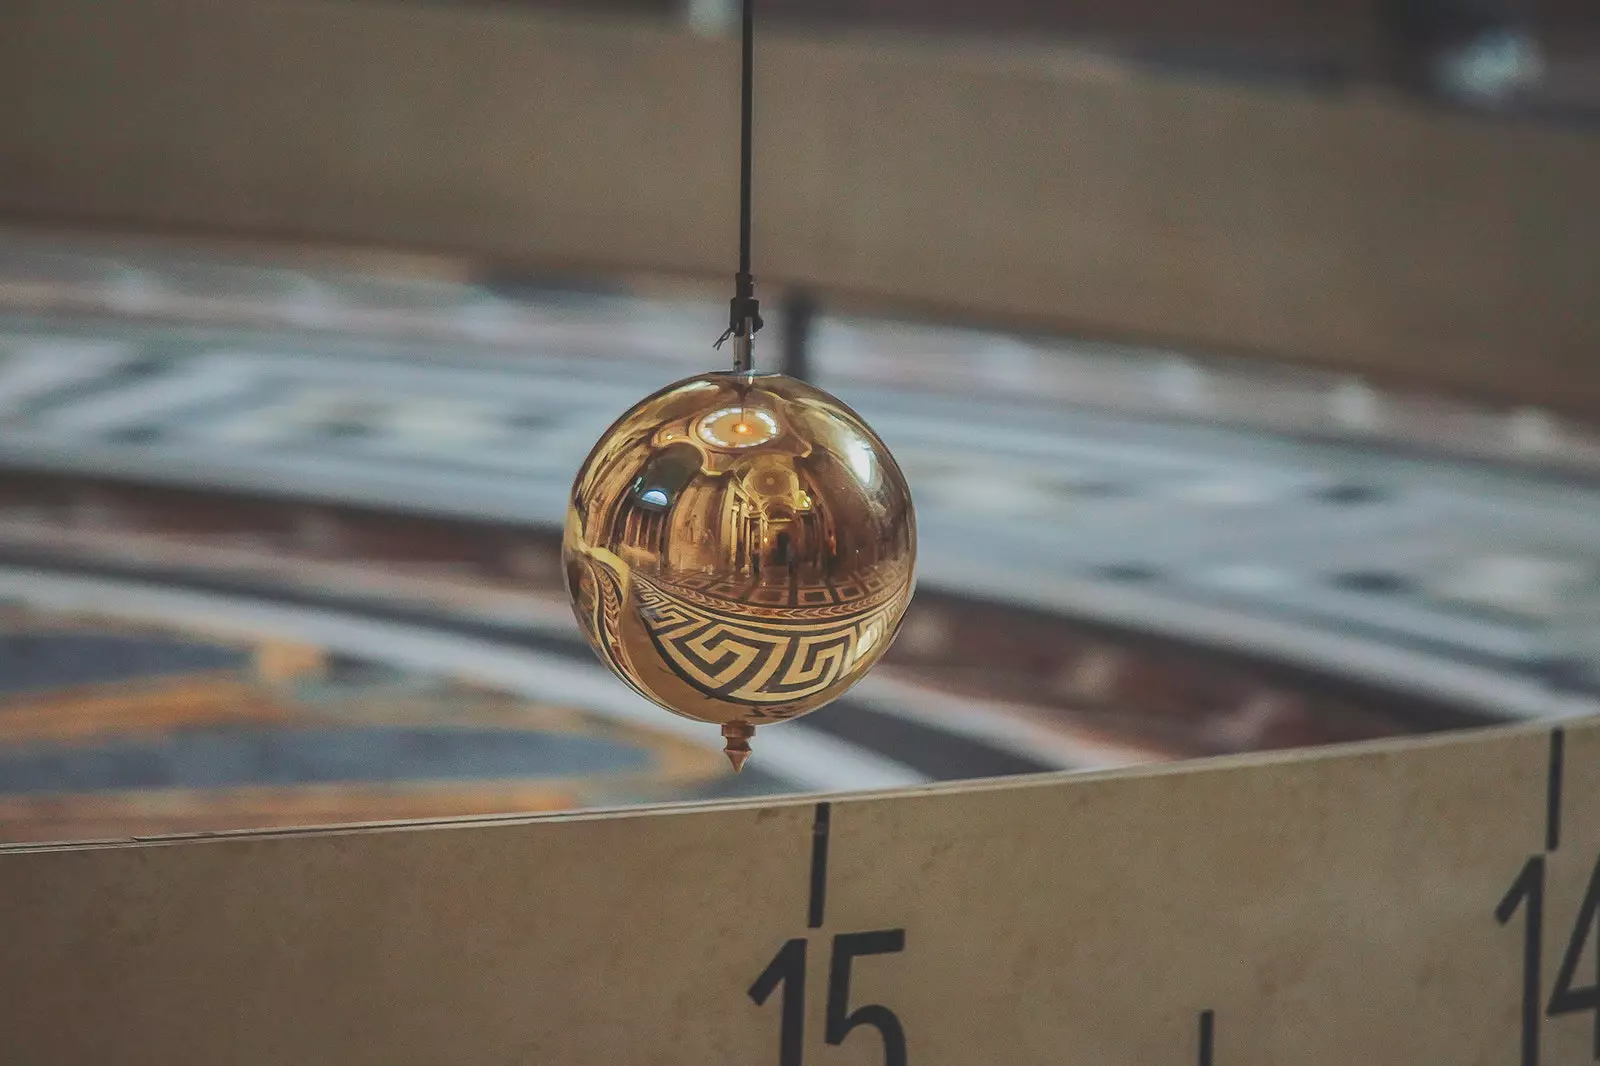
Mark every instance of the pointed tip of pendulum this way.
pixel 737 748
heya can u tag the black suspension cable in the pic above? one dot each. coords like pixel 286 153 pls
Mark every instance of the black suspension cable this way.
pixel 744 310
pixel 747 94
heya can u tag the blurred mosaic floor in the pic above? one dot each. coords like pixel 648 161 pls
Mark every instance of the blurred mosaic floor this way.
pixel 113 729
pixel 1127 555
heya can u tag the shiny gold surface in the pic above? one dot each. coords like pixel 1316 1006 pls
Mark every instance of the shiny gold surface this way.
pixel 740 548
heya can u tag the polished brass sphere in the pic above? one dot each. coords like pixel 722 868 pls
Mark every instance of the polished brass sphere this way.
pixel 740 548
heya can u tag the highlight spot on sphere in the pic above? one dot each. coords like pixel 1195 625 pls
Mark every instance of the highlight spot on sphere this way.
pixel 740 548
pixel 737 427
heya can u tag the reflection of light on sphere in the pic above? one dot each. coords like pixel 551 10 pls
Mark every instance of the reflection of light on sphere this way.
pixel 740 548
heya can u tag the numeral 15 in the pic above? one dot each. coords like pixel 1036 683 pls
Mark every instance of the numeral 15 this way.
pixel 788 968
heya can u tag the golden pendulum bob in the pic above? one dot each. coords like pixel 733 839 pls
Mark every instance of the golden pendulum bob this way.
pixel 740 548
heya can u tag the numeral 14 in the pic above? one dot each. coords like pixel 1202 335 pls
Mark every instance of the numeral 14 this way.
pixel 1527 894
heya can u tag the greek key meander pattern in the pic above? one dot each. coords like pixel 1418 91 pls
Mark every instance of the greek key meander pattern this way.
pixel 835 599
pixel 602 618
pixel 758 657
pixel 609 608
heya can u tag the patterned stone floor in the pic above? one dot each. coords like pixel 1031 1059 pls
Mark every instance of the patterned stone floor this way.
pixel 112 729
pixel 1126 554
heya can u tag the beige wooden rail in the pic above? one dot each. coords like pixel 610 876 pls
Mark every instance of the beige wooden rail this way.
pixel 1420 901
